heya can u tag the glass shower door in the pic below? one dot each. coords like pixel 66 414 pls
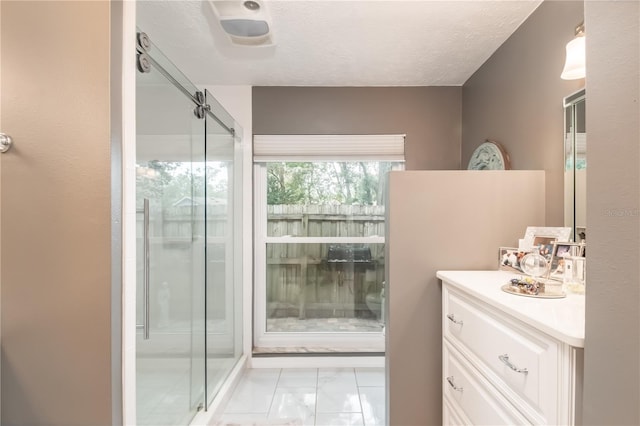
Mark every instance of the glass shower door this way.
pixel 223 221
pixel 170 200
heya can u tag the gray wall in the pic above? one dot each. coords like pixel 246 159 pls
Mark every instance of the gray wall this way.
pixel 515 98
pixel 612 348
pixel 431 227
pixel 55 317
pixel 429 116
pixel 56 280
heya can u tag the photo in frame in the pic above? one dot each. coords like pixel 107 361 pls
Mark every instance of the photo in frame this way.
pixel 562 252
pixel 544 245
pixel 509 259
pixel 561 234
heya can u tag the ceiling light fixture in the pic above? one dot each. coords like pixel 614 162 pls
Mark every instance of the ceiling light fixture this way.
pixel 245 27
pixel 246 23
pixel 574 66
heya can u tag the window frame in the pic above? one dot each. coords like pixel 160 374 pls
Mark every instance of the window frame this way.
pixel 341 341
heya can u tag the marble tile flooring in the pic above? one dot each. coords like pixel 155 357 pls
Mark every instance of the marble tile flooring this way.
pixel 165 386
pixel 163 391
pixel 314 396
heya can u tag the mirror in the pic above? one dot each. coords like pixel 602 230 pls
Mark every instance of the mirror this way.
pixel 575 165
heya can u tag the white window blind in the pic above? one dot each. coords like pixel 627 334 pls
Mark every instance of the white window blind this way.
pixel 268 148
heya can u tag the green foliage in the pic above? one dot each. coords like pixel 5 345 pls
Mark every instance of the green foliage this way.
pixel 326 182
pixel 153 177
pixel 169 182
pixel 302 183
pixel 289 183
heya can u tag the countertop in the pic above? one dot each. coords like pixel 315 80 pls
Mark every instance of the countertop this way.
pixel 562 319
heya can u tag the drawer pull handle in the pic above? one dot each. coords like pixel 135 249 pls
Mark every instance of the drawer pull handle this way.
pixel 453 385
pixel 453 319
pixel 505 360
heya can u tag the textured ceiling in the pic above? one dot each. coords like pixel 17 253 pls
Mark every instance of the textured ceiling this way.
pixel 338 42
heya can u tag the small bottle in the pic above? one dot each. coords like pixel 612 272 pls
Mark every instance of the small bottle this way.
pixel 577 283
pixel 567 279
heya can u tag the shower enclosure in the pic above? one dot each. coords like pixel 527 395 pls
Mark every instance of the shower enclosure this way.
pixel 188 243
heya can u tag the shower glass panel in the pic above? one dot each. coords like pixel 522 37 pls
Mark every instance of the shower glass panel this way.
pixel 223 245
pixel 171 173
pixel 189 245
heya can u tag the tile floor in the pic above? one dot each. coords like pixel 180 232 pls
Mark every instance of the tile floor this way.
pixel 163 391
pixel 320 397
pixel 164 388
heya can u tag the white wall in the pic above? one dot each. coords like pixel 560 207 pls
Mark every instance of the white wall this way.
pixel 237 101
pixel 129 215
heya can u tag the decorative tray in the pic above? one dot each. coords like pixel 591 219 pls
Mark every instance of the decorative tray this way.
pixel 529 287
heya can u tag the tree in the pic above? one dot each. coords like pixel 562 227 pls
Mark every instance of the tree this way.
pixel 289 183
pixel 153 177
pixel 168 182
pixel 326 182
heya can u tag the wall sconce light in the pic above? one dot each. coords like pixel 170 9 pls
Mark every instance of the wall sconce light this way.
pixel 574 66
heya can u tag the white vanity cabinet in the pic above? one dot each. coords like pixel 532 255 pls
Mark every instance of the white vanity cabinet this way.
pixel 508 359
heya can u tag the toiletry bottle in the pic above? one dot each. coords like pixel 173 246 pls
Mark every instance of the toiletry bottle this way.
pixel 567 280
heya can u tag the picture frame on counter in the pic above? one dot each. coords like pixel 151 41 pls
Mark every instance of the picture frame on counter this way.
pixel 563 252
pixel 544 245
pixel 509 259
pixel 561 234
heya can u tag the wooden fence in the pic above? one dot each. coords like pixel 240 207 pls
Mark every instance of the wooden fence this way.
pixel 303 280
pixel 321 280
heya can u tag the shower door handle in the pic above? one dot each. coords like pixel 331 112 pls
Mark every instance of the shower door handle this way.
pixel 147 268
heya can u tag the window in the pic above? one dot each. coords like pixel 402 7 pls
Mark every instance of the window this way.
pixel 319 254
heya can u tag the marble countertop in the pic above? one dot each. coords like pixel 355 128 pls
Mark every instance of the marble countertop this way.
pixel 562 319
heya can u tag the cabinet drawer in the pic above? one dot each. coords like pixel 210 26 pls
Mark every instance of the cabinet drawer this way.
pixel 471 396
pixel 520 361
pixel 451 414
